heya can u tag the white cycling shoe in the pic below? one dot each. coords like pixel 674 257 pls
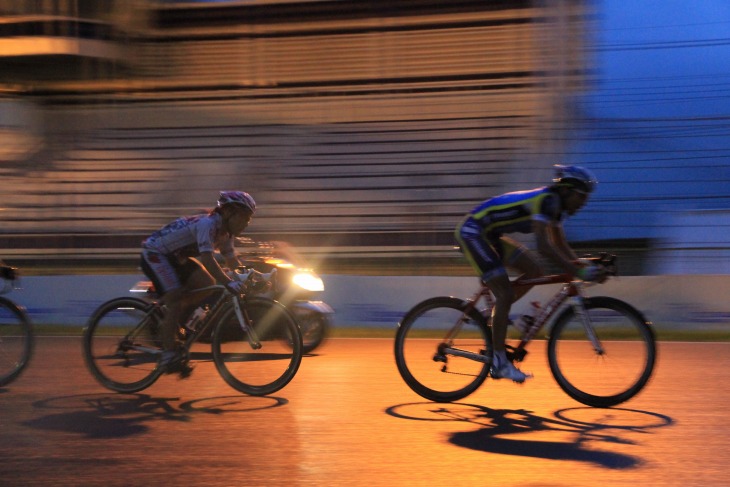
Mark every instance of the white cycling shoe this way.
pixel 507 370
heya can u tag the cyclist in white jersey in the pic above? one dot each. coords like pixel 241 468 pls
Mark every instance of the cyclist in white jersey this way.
pixel 179 258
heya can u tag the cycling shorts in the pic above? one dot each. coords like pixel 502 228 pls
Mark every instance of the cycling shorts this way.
pixel 167 272
pixel 487 254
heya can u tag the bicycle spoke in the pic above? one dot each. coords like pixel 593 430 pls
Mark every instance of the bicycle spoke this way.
pixel 263 365
pixel 616 372
pixel 440 353
pixel 122 346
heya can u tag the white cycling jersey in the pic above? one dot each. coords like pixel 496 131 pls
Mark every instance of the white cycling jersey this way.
pixel 190 236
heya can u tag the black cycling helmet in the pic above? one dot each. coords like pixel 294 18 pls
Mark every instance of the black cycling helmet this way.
pixel 575 177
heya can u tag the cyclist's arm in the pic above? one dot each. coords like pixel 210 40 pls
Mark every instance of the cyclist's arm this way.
pixel 232 262
pixel 228 252
pixel 561 242
pixel 551 242
pixel 211 265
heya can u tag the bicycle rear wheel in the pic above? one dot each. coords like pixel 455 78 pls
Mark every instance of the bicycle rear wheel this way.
pixel 420 343
pixel 122 345
pixel 264 370
pixel 610 377
pixel 16 341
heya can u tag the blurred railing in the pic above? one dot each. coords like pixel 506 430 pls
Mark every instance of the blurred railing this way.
pixel 363 131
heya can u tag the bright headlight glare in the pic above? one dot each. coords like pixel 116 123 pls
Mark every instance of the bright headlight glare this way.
pixel 308 281
pixel 282 264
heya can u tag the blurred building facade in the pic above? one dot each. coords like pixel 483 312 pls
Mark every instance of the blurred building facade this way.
pixel 362 128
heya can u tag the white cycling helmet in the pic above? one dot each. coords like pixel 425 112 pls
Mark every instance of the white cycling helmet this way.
pixel 576 177
pixel 239 198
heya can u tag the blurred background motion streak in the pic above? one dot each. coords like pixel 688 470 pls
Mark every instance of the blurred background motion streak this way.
pixel 364 129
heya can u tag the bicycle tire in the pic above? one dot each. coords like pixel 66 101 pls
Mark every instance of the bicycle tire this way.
pixel 314 327
pixel 617 375
pixel 263 371
pixel 109 358
pixel 16 341
pixel 417 340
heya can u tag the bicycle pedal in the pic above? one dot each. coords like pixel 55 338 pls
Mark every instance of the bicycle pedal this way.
pixel 178 366
pixel 185 371
pixel 515 354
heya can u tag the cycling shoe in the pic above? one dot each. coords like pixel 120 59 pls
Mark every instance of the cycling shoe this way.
pixel 508 371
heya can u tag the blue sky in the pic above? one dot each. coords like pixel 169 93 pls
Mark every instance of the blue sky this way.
pixel 664 58
pixel 657 119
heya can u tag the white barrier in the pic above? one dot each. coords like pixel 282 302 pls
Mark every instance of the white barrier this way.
pixel 677 301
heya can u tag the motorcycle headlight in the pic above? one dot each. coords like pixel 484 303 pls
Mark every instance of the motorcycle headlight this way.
pixel 308 281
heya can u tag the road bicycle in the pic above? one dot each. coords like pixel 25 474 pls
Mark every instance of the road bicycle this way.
pixel 16 331
pixel 256 343
pixel 601 350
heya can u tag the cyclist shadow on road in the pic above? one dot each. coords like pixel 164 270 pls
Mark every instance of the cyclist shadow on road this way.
pixel 581 425
pixel 122 415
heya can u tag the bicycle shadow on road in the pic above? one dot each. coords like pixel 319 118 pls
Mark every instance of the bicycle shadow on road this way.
pixel 577 427
pixel 121 415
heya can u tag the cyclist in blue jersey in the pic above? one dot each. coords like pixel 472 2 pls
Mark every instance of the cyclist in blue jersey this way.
pixel 482 238
pixel 179 258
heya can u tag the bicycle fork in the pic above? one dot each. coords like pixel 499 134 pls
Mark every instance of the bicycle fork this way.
pixel 253 339
pixel 580 311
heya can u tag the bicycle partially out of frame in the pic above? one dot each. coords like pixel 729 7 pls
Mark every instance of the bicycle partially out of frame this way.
pixel 256 342
pixel 601 350
pixel 16 331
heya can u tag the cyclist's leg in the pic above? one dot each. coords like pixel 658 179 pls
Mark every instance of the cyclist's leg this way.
pixel 164 275
pixel 487 257
pixel 182 300
pixel 487 261
pixel 503 292
pixel 194 276
pixel 518 257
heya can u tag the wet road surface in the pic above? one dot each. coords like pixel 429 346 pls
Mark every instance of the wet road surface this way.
pixel 347 418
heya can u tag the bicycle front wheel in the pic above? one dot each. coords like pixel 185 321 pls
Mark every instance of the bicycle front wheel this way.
pixel 619 369
pixel 264 362
pixel 441 351
pixel 122 345
pixel 16 341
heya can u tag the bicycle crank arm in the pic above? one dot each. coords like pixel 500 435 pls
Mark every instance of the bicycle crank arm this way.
pixel 478 357
pixel 140 348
